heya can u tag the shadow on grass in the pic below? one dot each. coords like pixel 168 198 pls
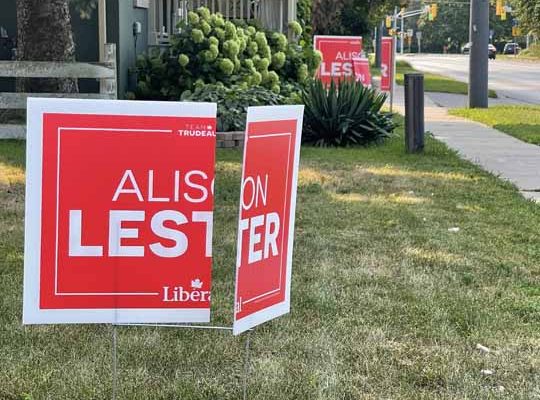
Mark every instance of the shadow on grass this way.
pixel 12 152
pixel 529 133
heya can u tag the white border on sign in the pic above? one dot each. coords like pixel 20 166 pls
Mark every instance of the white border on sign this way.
pixel 263 114
pixel 36 107
pixel 337 37
pixel 273 292
pixel 320 39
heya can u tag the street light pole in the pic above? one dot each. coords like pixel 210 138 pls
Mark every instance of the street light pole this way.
pixel 478 59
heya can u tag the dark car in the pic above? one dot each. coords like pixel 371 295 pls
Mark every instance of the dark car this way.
pixel 492 51
pixel 511 48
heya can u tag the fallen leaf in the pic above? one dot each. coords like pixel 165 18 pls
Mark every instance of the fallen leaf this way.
pixel 483 348
pixel 487 372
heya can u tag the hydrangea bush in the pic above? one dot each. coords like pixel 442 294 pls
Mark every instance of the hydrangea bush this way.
pixel 212 50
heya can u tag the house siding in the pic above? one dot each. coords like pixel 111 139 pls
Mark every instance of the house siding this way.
pixel 127 55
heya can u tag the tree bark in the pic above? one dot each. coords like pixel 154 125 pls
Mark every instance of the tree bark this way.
pixel 44 34
pixel 325 15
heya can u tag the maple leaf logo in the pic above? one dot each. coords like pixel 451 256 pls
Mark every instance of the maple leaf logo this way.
pixel 196 284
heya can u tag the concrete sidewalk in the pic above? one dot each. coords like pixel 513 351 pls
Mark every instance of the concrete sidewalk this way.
pixel 494 151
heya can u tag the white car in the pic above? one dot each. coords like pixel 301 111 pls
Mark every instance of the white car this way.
pixel 492 51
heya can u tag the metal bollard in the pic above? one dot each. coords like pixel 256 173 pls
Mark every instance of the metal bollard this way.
pixel 414 113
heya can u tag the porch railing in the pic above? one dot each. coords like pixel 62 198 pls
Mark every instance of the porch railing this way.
pixel 105 72
pixel 164 15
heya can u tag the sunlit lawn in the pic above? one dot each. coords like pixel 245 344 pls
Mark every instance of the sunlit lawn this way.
pixel 435 82
pixel 522 122
pixel 387 303
pixel 432 82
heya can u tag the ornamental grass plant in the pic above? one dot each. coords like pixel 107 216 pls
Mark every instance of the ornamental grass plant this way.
pixel 344 114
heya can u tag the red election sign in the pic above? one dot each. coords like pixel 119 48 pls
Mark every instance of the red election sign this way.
pixel 387 63
pixel 362 72
pixel 267 209
pixel 119 211
pixel 338 53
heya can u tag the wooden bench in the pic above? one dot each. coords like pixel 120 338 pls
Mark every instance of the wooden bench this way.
pixel 104 71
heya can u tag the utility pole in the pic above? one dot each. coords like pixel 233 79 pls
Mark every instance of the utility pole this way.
pixel 402 36
pixel 378 36
pixel 394 54
pixel 478 59
pixel 395 48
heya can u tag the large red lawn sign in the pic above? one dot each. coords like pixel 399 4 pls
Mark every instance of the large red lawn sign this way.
pixel 338 53
pixel 387 63
pixel 119 211
pixel 267 209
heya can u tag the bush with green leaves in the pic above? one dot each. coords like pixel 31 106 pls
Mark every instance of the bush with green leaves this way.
pixel 344 114
pixel 233 102
pixel 210 49
pixel 303 13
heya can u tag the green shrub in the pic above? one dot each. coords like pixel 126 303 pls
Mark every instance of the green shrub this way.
pixel 348 116
pixel 233 102
pixel 303 14
pixel 209 50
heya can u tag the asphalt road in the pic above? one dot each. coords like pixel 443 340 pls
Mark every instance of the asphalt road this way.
pixel 518 81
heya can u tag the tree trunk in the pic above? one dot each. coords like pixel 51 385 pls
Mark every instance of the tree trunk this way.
pixel 44 34
pixel 326 15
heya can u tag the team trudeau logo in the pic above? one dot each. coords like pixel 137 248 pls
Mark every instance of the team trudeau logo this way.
pixel 181 295
pixel 197 130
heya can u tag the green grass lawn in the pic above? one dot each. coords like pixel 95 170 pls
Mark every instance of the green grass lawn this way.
pixel 387 303
pixel 434 82
pixel 522 122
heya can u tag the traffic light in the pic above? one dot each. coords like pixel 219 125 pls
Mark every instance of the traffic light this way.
pixel 503 14
pixel 388 22
pixel 498 8
pixel 434 10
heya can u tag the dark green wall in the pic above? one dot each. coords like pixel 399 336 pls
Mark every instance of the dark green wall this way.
pixel 85 34
pixel 127 55
pixel 8 16
pixel 8 19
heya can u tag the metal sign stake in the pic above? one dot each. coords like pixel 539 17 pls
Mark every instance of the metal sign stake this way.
pixel 246 365
pixel 114 363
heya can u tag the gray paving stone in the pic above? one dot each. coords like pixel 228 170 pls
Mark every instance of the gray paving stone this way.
pixel 496 152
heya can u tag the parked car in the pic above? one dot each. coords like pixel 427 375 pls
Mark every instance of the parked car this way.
pixel 492 51
pixel 511 48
